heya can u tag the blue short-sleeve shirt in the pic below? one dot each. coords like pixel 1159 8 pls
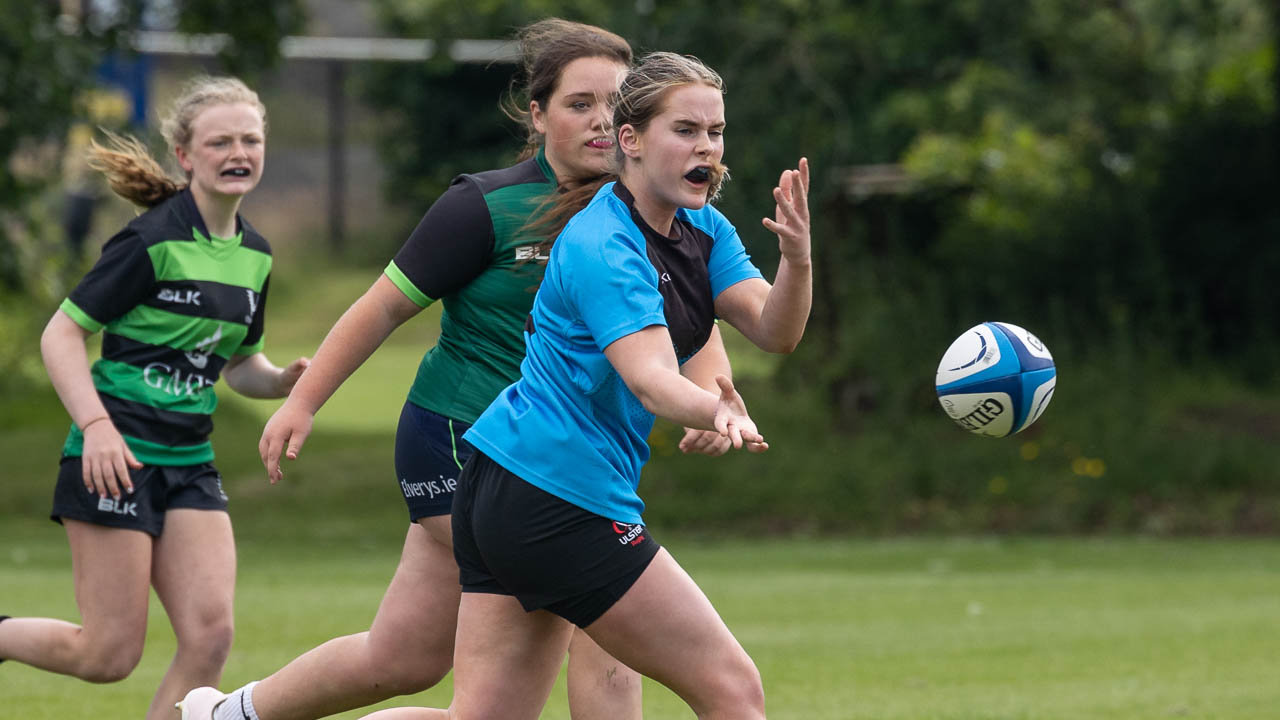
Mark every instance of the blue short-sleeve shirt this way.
pixel 570 425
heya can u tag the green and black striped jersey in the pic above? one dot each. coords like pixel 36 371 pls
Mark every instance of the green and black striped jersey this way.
pixel 174 304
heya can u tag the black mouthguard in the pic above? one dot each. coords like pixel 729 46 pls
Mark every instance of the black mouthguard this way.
pixel 698 174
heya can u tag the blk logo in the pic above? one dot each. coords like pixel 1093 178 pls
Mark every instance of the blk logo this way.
pixel 531 252
pixel 117 507
pixel 180 297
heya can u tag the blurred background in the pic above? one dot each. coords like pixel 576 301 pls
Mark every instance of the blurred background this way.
pixel 1101 172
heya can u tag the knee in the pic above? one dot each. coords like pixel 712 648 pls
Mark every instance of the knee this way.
pixel 742 688
pixel 402 663
pixel 109 663
pixel 211 641
pixel 218 641
pixel 406 675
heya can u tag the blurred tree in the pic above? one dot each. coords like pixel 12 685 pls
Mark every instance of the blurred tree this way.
pixel 44 63
pixel 1109 192
pixel 1100 171
pixel 256 29
pixel 445 117
pixel 48 53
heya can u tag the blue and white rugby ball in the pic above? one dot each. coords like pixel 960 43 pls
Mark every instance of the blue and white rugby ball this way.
pixel 996 379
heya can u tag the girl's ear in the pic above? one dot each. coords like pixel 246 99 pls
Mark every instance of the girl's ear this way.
pixel 629 141
pixel 538 116
pixel 183 161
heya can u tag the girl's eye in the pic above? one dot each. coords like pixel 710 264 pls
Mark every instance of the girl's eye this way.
pixel 580 106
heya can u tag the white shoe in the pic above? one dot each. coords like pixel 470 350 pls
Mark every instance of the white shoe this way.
pixel 199 703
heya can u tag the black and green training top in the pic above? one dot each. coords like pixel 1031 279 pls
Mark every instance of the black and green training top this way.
pixel 475 251
pixel 174 304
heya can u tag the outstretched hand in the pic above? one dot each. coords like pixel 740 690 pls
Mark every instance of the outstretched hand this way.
pixel 704 442
pixel 732 420
pixel 284 434
pixel 791 213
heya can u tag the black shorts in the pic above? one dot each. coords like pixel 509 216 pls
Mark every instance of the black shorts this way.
pixel 513 538
pixel 430 453
pixel 156 488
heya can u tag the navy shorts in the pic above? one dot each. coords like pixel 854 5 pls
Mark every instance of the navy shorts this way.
pixel 430 453
pixel 156 489
pixel 513 538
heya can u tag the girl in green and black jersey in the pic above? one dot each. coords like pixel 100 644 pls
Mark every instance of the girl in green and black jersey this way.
pixel 480 250
pixel 179 295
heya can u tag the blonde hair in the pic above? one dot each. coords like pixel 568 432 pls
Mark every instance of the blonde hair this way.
pixel 129 167
pixel 546 49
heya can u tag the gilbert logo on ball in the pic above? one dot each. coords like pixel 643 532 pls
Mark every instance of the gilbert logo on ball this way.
pixel 996 379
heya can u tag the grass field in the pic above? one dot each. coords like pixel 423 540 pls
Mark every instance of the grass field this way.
pixel 953 629
pixel 947 629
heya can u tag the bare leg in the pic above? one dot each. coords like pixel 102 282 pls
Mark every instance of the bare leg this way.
pixel 194 573
pixel 506 659
pixel 112 570
pixel 665 627
pixel 408 649
pixel 408 713
pixel 600 687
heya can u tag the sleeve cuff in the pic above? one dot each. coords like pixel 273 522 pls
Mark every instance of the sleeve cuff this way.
pixel 250 349
pixel 406 286
pixel 79 316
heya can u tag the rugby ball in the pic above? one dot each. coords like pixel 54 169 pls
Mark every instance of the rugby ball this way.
pixel 996 379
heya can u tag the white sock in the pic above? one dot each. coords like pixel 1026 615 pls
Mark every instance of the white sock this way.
pixel 238 705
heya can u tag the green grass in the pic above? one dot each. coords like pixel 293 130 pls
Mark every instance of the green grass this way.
pixel 952 629
pixel 911 629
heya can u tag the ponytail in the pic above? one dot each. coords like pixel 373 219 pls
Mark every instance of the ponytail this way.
pixel 131 171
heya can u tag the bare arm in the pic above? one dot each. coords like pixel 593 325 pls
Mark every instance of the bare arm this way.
pixel 66 360
pixel 774 316
pixel 360 331
pixel 106 458
pixel 648 366
pixel 254 376
pixel 711 360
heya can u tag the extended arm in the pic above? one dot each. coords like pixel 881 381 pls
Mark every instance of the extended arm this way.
pixel 360 331
pixel 648 366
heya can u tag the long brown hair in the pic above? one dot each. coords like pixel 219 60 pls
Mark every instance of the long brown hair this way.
pixel 640 99
pixel 546 49
pixel 131 170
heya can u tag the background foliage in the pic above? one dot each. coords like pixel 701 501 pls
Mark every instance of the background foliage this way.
pixel 1096 168
pixel 1099 171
